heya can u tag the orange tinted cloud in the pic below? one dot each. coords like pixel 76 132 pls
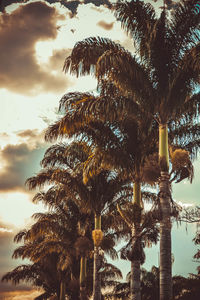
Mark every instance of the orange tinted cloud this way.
pixel 106 26
pixel 20 71
pixel 20 295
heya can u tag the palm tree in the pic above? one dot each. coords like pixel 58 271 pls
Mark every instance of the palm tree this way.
pixel 64 164
pixel 50 245
pixel 54 244
pixel 117 148
pixel 161 79
pixel 38 275
pixel 186 288
pixel 125 145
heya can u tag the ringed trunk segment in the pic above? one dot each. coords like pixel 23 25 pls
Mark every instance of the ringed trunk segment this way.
pixel 137 193
pixel 62 290
pixel 83 264
pixel 97 236
pixel 163 147
pixel 97 275
pixel 83 274
pixel 135 284
pixel 165 239
pixel 97 222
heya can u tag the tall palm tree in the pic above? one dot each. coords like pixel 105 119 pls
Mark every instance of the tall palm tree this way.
pixel 50 244
pixel 38 275
pixel 126 145
pixel 160 79
pixel 64 164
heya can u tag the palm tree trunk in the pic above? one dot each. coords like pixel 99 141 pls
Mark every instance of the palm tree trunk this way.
pixel 135 284
pixel 165 223
pixel 62 290
pixel 97 275
pixel 97 261
pixel 83 263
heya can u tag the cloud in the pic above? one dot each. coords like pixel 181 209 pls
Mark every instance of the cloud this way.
pixel 19 162
pixel 106 26
pixel 33 137
pixel 3 229
pixel 57 59
pixel 19 293
pixel 70 5
pixel 7 246
pixel 99 2
pixel 6 251
pixel 4 135
pixel 19 31
pixel 28 133
pixel 185 205
pixel 7 264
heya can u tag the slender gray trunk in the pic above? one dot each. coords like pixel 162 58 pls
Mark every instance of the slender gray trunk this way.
pixel 135 283
pixel 165 239
pixel 97 275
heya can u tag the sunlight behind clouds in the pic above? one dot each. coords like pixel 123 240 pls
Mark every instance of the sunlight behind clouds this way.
pixel 17 208
pixel 43 51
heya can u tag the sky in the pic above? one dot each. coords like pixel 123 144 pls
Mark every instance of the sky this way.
pixel 35 39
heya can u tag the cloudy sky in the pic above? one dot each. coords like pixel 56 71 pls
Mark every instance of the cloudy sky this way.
pixel 35 39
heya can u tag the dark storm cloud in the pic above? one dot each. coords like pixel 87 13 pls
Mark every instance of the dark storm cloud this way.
pixel 71 5
pixel 19 31
pixel 106 26
pixel 20 162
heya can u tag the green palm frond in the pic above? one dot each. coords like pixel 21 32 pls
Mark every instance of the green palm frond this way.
pixel 149 197
pixel 83 246
pixel 107 244
pixel 85 54
pixel 44 296
pixel 184 28
pixel 20 236
pixel 132 15
pixel 42 178
pixel 26 273
pixel 51 133
pixel 185 78
pixel 151 170
pixel 54 156
pixel 111 272
pixel 24 251
pixel 126 73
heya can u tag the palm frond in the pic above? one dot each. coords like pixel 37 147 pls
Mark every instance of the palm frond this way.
pixel 85 54
pixel 126 73
pixel 184 26
pixel 132 14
